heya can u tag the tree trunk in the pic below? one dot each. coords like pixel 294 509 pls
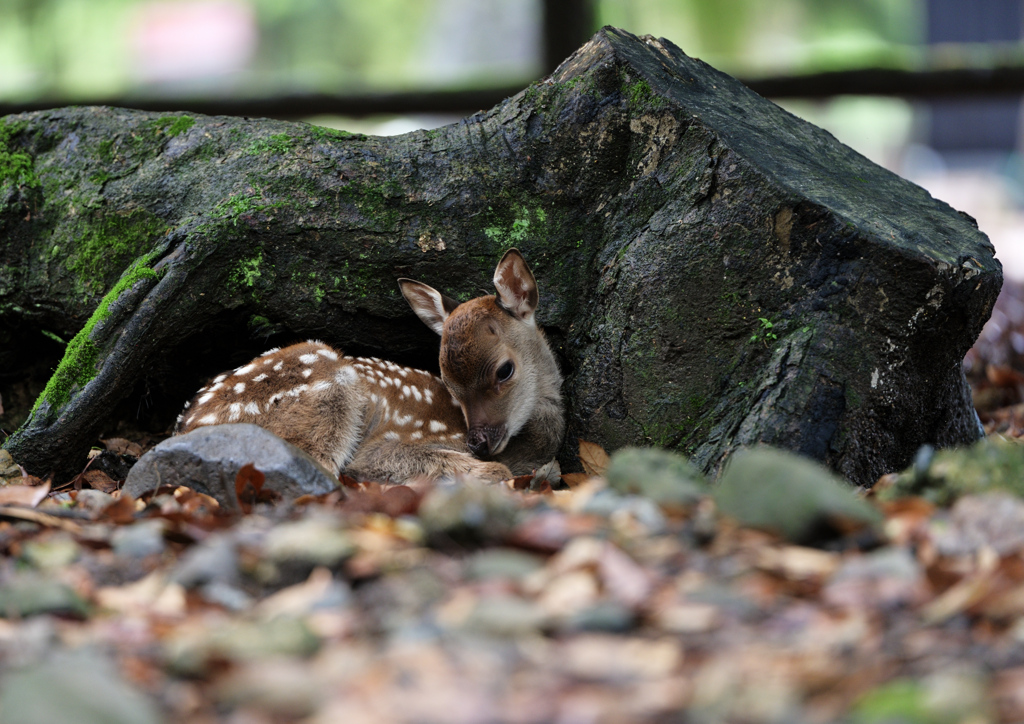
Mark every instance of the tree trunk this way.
pixel 714 272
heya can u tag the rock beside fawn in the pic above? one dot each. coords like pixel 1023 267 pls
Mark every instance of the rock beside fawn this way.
pixel 495 411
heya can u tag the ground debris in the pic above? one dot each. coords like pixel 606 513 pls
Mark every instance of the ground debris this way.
pixel 609 600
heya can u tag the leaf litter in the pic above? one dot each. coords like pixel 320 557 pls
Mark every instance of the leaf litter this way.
pixel 634 591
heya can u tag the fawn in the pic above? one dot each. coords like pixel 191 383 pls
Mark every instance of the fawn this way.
pixel 495 411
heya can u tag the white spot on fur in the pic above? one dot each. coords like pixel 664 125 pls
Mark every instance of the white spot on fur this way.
pixel 219 378
pixel 245 370
pixel 296 391
pixel 403 371
pixel 382 383
pixel 274 398
pixel 401 419
pixel 270 351
pixel 391 435
pixel 416 393
pixel 205 398
pixel 260 377
pixel 208 420
pixel 345 375
pixel 239 388
pixel 428 395
pixel 216 387
pixel 373 397
pixel 436 426
pixel 419 423
pixel 278 366
pixel 187 405
pixel 252 408
pixel 307 359
pixel 405 391
pixel 321 385
pixel 307 372
pixel 416 435
pixel 234 411
pixel 329 354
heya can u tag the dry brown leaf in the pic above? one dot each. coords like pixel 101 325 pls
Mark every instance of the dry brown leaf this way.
pixel 27 495
pixel 249 488
pixel 593 457
pixel 575 479
pixel 99 480
pixel 123 447
pixel 121 511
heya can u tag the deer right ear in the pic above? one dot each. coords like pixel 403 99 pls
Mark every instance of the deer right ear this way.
pixel 429 304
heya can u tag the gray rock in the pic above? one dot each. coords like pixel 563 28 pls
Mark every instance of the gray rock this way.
pixel 82 687
pixel 208 460
pixel 798 498
pixel 660 475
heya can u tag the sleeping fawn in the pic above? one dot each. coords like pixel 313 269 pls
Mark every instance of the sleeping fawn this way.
pixel 495 411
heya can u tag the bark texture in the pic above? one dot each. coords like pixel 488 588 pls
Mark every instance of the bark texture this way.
pixel 714 272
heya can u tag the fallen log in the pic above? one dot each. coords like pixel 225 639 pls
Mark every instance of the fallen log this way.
pixel 714 272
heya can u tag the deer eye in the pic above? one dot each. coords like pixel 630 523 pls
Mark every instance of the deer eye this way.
pixel 505 371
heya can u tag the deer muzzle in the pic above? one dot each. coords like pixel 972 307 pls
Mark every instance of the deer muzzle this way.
pixel 487 440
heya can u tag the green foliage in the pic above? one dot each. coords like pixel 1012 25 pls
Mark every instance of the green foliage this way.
pixel 764 332
pixel 78 366
pixel 15 166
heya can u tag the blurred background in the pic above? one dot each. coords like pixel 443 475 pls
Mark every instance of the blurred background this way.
pixel 928 88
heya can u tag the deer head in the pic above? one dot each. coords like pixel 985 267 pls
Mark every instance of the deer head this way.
pixel 494 358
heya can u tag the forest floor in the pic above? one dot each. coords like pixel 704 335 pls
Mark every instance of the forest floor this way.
pixel 638 594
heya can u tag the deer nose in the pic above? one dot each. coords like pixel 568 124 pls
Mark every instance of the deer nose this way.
pixel 477 441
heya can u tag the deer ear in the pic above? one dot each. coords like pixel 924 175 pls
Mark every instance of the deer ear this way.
pixel 517 289
pixel 429 304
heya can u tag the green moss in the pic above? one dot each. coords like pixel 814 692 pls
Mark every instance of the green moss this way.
pixel 237 205
pixel 172 126
pixel 105 150
pixel 525 224
pixel 639 94
pixel 375 202
pixel 248 271
pixel 322 133
pixel 277 144
pixel 113 240
pixel 180 125
pixel 78 366
pixel 16 167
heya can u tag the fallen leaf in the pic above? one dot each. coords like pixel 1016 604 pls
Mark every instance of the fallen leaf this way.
pixel 28 495
pixel 249 488
pixel 575 479
pixel 99 480
pixel 593 457
pixel 121 511
pixel 1002 376
pixel 123 447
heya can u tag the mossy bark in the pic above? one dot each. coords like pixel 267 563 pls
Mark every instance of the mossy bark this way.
pixel 714 271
